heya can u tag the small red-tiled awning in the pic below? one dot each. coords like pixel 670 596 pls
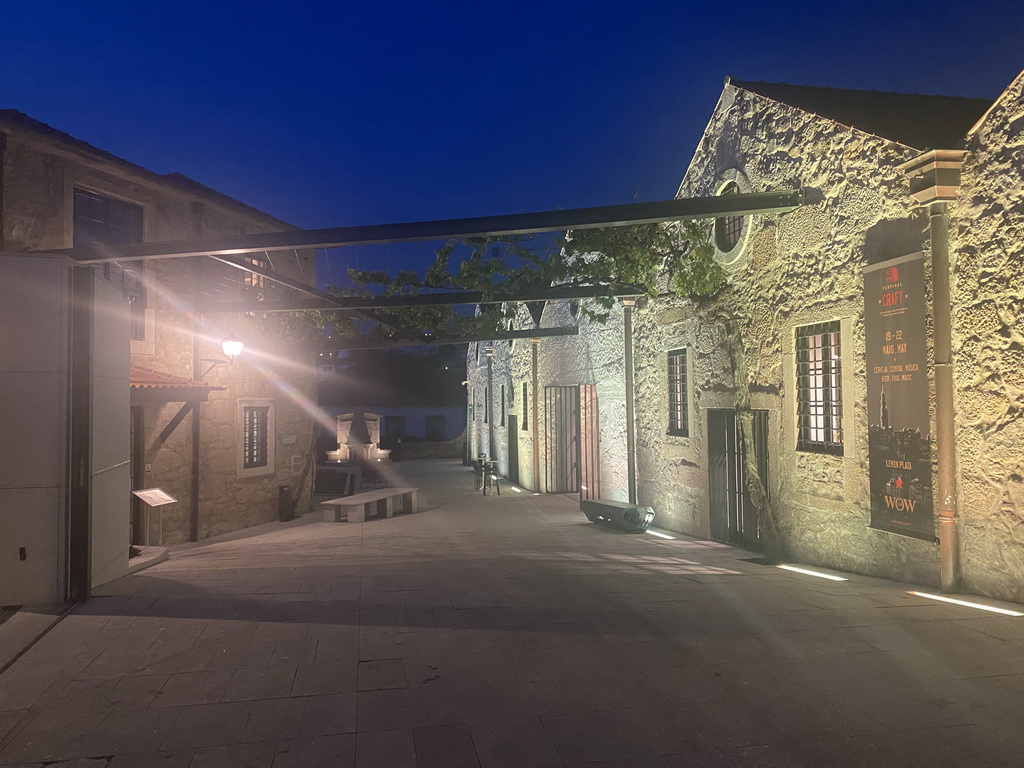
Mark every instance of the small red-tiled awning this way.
pixel 149 386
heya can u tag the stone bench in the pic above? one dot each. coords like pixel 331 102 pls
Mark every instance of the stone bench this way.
pixel 384 502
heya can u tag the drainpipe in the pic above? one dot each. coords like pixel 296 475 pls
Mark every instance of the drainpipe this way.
pixel 627 332
pixel 934 180
pixel 945 429
pixel 489 352
pixel 534 417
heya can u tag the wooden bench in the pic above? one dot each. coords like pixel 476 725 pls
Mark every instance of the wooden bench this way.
pixel 384 502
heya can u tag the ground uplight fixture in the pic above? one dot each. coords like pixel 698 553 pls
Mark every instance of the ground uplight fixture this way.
pixel 966 603
pixel 809 572
pixel 660 535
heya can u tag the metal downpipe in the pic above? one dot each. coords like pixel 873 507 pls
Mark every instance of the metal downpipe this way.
pixel 627 332
pixel 945 428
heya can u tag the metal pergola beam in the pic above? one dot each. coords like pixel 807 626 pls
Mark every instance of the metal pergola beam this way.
pixel 329 302
pixel 446 229
pixel 532 333
pixel 315 293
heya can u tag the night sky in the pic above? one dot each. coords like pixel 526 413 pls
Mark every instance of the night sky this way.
pixel 343 113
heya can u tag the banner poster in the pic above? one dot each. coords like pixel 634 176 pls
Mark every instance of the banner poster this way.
pixel 899 454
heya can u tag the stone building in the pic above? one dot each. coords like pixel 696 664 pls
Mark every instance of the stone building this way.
pixel 754 411
pixel 140 385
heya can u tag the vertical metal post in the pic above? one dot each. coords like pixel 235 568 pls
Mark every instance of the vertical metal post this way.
pixel 489 352
pixel 197 330
pixel 945 430
pixel 80 444
pixel 3 226
pixel 627 323
pixel 535 418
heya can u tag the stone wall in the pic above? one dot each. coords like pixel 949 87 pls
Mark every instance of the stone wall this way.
pixel 987 239
pixel 797 269
pixel 421 449
pixel 594 357
pixel 788 271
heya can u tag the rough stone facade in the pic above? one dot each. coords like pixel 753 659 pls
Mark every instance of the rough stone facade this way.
pixel 593 358
pixel 788 271
pixel 987 233
pixel 797 269
pixel 41 170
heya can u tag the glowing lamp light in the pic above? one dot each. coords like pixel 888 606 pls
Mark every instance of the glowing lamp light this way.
pixel 232 346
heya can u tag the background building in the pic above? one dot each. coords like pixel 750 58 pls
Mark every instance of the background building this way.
pixel 137 393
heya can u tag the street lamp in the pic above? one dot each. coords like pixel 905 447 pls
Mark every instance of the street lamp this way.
pixel 231 346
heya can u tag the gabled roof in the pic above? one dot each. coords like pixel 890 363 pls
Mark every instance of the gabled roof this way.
pixel 20 120
pixel 911 119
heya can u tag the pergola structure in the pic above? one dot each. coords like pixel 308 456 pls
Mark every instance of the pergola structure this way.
pixel 228 250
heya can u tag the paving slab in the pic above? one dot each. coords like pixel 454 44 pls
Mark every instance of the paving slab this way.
pixel 503 631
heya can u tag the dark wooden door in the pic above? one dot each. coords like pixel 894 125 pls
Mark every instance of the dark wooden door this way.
pixel 513 449
pixel 590 444
pixel 733 516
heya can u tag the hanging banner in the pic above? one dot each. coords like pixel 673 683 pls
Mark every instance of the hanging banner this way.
pixel 899 455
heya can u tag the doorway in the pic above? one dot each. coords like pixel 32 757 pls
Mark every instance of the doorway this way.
pixel 572 441
pixel 733 517
pixel 513 448
pixel 561 439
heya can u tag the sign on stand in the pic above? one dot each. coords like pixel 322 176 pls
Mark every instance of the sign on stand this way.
pixel 155 497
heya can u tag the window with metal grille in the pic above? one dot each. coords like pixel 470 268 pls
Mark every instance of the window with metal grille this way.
pixel 526 417
pixel 728 228
pixel 678 415
pixel 255 436
pixel 502 414
pixel 101 219
pixel 819 402
pixel 487 404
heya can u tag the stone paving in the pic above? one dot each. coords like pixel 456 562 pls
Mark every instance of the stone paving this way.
pixel 507 632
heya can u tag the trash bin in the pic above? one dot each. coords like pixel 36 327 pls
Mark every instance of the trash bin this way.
pixel 284 503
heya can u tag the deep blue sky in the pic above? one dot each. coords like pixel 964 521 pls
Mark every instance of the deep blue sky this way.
pixel 331 114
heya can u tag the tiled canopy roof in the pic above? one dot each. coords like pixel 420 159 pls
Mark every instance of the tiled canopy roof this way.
pixel 166 387
pixel 915 120
pixel 146 378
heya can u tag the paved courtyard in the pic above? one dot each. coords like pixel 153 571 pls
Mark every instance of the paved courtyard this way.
pixel 507 632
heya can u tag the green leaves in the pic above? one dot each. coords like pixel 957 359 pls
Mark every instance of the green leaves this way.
pixel 677 255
